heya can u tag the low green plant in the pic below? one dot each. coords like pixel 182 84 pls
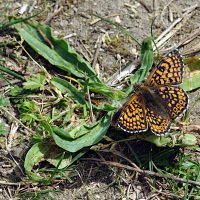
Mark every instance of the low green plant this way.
pixel 66 125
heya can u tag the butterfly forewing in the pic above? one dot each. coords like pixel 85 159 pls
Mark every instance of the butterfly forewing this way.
pixel 132 118
pixel 168 72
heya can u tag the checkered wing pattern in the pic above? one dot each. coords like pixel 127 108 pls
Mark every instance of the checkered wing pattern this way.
pixel 132 118
pixel 158 101
pixel 168 72
pixel 174 99
pixel 159 124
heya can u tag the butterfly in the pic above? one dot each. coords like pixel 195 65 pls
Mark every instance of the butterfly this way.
pixel 158 101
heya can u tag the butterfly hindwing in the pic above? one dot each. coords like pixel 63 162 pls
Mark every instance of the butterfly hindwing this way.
pixel 173 98
pixel 159 124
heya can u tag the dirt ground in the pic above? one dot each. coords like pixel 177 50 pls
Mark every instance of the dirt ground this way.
pixel 73 20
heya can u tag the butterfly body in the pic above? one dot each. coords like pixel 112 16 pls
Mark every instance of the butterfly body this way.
pixel 152 100
pixel 158 101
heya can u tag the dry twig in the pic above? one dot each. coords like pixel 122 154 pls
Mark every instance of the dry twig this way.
pixel 164 36
pixel 52 15
pixel 174 27
pixel 146 172
pixel 98 46
pixel 163 11
pixel 18 121
pixel 148 8
pixel 12 184
pixel 120 75
pixel 189 38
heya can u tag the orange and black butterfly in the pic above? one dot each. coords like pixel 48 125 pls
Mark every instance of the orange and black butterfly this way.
pixel 157 101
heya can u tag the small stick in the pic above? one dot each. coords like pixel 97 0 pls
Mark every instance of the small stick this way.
pixel 189 38
pixel 17 164
pixel 88 58
pixel 32 7
pixel 165 193
pixel 41 67
pixel 171 17
pixel 118 76
pixel 192 51
pixel 165 7
pixel 98 46
pixel 168 33
pixel 51 16
pixel 45 38
pixel 12 184
pixel 174 27
pixel 122 156
pixel 147 172
pixel 90 105
pixel 148 8
pixel 28 129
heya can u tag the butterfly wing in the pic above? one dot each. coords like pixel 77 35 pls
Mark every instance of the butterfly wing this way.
pixel 132 117
pixel 174 99
pixel 159 124
pixel 168 72
pixel 158 102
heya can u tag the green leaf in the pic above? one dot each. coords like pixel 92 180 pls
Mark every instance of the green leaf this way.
pixel 94 135
pixel 193 63
pixel 28 111
pixel 29 118
pixel 36 82
pixel 46 126
pixel 159 141
pixel 27 106
pixel 15 91
pixel 11 72
pixel 64 86
pixel 108 91
pixel 188 140
pixel 4 26
pixel 191 83
pixel 60 54
pixel 146 62
pixel 3 129
pixel 56 51
pixel 33 157
pixel 54 159
pixel 4 101
pixel 76 132
pixel 44 151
